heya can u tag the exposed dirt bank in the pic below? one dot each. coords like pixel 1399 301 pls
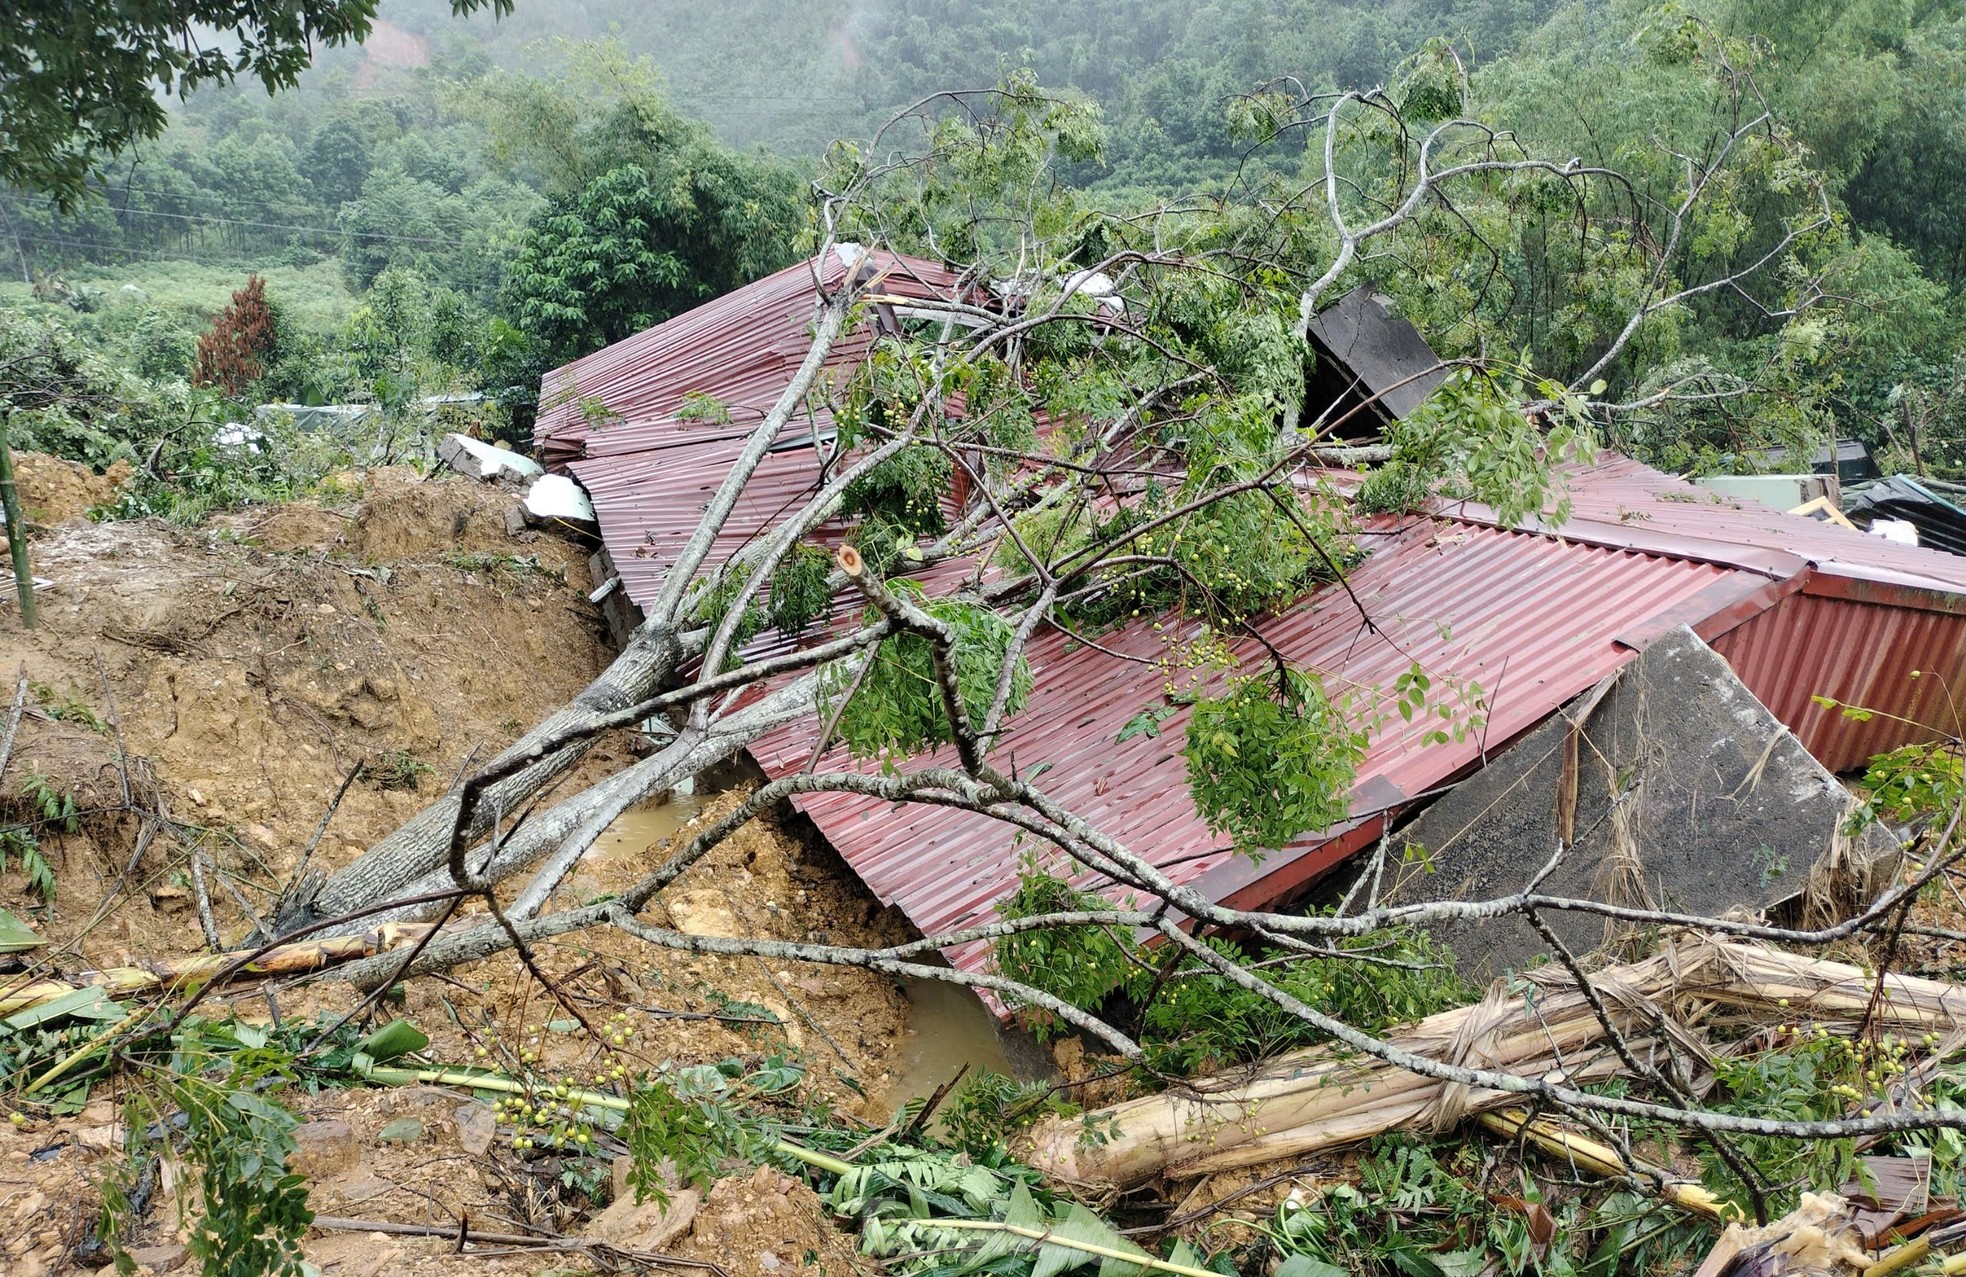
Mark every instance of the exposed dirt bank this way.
pixel 205 692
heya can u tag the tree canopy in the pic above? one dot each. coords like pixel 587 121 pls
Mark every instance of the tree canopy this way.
pixel 79 84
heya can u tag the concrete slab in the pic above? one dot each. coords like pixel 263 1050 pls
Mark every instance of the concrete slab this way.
pixel 481 460
pixel 1690 796
pixel 554 498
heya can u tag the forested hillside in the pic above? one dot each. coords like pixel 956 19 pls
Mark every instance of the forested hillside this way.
pixel 466 202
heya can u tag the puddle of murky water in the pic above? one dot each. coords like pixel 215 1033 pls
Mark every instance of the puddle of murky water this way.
pixel 628 839
pixel 949 1027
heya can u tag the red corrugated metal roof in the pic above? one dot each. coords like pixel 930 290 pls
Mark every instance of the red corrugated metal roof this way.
pixel 1625 503
pixel 1813 643
pixel 1533 620
pixel 649 471
pixel 1533 616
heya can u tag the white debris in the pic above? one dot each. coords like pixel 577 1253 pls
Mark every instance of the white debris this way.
pixel 488 461
pixel 1897 530
pixel 556 497
pixel 237 434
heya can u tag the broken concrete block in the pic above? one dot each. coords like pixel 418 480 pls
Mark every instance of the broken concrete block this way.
pixel 160 1259
pixel 476 1126
pixel 477 459
pixel 1690 796
pixel 558 499
pixel 647 1226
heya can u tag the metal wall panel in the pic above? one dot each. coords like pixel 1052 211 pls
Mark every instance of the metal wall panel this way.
pixel 1904 663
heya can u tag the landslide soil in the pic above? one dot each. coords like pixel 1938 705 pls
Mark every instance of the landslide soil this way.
pixel 216 685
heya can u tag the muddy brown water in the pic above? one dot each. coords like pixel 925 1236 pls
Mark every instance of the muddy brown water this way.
pixel 634 831
pixel 948 1027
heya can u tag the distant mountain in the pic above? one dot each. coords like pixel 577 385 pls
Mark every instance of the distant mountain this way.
pixel 795 76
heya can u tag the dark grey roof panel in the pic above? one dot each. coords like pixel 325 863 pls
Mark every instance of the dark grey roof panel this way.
pixel 1367 336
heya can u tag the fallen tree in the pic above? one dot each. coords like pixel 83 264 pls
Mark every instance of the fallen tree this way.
pixel 1539 1025
pixel 1125 400
pixel 1197 377
pixel 293 958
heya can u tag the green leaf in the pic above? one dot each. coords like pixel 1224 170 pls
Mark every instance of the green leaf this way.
pixel 1305 1266
pixel 1146 723
pixel 396 1038
pixel 1080 1225
pixel 1268 763
pixel 89 1003
pixel 1021 1212
pixel 69 1100
pixel 16 936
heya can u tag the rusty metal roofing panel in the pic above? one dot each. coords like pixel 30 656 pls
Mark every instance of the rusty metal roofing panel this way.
pixel 741 348
pixel 612 418
pixel 1533 620
pixel 1861 654
pixel 1624 503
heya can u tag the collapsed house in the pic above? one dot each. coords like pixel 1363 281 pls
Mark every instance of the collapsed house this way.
pixel 1522 619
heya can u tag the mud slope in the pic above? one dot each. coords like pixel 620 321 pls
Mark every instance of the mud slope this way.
pixel 230 677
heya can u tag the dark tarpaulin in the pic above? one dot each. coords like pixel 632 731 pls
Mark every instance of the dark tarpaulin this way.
pixel 1940 522
pixel 1367 348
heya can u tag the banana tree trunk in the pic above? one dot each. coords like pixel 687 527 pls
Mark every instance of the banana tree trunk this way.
pixel 16 529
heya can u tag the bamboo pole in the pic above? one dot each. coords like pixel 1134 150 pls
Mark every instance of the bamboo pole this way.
pixel 1046 1237
pixel 286 959
pixel 1322 1098
pixel 1601 1159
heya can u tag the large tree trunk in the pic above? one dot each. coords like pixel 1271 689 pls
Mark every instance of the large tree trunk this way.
pixel 570 827
pixel 1324 1097
pixel 421 846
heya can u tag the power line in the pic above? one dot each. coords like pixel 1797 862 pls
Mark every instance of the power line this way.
pixel 214 219
pixel 110 188
pixel 145 254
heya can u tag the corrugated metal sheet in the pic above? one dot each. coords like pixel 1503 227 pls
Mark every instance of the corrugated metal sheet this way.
pixel 648 470
pixel 1534 617
pixel 1857 653
pixel 1624 503
pixel 1941 523
pixel 1533 620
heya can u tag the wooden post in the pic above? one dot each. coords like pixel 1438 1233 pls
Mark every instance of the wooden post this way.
pixel 16 528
